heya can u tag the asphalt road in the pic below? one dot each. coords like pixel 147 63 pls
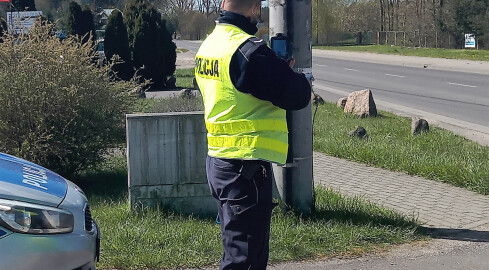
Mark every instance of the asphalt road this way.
pixel 458 95
pixel 191 45
pixel 473 256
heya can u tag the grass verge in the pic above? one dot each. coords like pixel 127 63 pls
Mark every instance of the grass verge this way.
pixel 480 55
pixel 184 77
pixel 438 155
pixel 181 50
pixel 172 104
pixel 155 239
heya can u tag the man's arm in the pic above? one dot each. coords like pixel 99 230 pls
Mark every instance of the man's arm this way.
pixel 255 69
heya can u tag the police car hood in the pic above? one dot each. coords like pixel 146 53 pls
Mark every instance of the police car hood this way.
pixel 21 180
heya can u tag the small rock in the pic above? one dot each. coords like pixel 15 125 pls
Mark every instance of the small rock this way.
pixel 419 125
pixel 186 93
pixel 359 132
pixel 361 103
pixel 342 102
pixel 316 99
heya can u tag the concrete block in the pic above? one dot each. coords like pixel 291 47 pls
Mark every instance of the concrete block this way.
pixel 166 162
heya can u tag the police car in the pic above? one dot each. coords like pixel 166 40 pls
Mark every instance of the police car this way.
pixel 45 220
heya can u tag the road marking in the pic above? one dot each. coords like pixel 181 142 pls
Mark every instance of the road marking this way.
pixel 464 85
pixel 320 65
pixel 394 75
pixel 351 69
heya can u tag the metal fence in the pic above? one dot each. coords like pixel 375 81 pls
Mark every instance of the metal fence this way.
pixel 332 38
pixel 414 38
pixel 417 39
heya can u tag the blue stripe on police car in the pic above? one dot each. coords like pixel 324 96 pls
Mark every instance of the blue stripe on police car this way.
pixel 20 172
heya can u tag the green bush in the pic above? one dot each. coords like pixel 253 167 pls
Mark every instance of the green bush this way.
pixel 116 42
pixel 80 22
pixel 153 51
pixel 3 27
pixel 56 108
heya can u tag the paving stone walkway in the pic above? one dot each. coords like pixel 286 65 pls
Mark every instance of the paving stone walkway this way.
pixel 435 204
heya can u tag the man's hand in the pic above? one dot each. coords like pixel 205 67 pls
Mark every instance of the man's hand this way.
pixel 291 62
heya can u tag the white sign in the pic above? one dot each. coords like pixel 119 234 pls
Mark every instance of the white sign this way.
pixel 469 41
pixel 20 22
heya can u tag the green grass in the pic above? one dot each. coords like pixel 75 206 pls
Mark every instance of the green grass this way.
pixel 480 55
pixel 174 104
pixel 156 239
pixel 181 50
pixel 438 155
pixel 185 77
pixel 164 105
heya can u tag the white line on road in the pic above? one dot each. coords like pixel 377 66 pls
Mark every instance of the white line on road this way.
pixel 320 65
pixel 394 75
pixel 351 69
pixel 464 85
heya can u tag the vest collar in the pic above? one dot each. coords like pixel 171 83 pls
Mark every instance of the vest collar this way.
pixel 238 20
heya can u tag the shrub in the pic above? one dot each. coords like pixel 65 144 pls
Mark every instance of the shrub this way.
pixel 117 43
pixel 3 27
pixel 153 50
pixel 80 22
pixel 74 19
pixel 56 108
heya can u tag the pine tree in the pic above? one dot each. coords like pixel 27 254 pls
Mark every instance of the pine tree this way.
pixel 132 11
pixel 87 25
pixel 151 43
pixel 23 5
pixel 80 22
pixel 116 42
pixel 74 20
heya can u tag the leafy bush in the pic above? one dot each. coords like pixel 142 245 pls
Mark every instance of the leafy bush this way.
pixel 3 27
pixel 56 107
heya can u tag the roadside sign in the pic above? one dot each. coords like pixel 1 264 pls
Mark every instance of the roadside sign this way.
pixel 20 22
pixel 469 41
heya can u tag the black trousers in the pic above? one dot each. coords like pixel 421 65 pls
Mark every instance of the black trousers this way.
pixel 243 191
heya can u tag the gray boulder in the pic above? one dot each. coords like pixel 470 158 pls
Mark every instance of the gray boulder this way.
pixel 361 103
pixel 342 102
pixel 187 93
pixel 359 132
pixel 419 125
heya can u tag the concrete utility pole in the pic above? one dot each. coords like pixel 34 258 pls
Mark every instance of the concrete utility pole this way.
pixel 295 180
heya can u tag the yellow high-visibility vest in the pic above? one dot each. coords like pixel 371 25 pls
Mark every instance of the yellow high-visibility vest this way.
pixel 239 125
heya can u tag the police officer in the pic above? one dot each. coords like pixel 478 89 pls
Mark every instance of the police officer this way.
pixel 246 90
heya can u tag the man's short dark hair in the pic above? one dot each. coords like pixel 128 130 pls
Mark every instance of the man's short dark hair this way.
pixel 242 4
